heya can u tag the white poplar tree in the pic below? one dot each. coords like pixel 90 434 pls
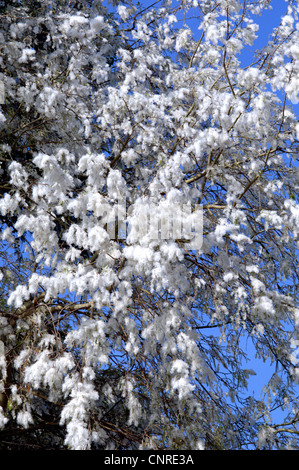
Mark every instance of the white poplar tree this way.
pixel 115 335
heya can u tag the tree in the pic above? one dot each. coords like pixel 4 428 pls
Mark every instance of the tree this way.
pixel 120 335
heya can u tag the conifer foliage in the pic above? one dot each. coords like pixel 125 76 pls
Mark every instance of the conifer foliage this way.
pixel 115 120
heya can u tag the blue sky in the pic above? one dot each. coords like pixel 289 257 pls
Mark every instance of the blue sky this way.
pixel 269 20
